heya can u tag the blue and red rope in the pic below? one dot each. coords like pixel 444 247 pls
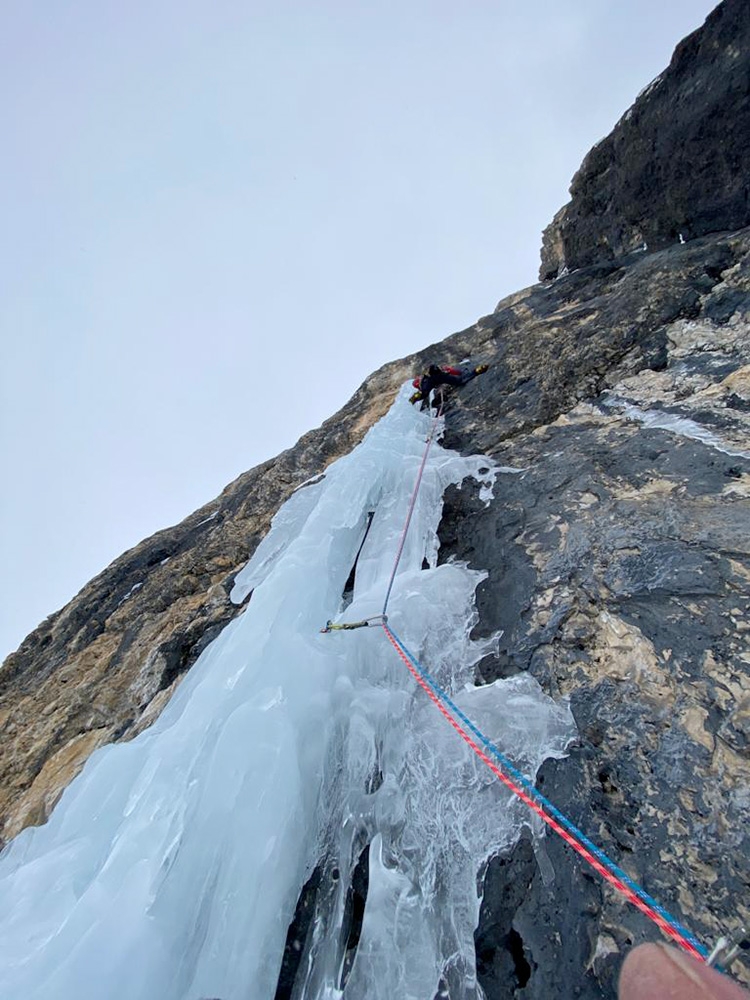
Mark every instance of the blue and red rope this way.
pixel 514 780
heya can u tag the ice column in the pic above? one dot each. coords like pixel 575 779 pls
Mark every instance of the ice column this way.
pixel 171 867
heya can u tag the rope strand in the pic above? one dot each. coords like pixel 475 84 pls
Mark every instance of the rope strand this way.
pixel 412 504
pixel 550 814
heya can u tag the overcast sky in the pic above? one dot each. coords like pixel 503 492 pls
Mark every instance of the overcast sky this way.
pixel 218 218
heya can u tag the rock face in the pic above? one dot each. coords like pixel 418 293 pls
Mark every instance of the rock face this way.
pixel 619 562
pixel 674 166
pixel 619 566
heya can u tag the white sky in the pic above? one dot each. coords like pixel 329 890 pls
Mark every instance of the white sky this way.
pixel 219 218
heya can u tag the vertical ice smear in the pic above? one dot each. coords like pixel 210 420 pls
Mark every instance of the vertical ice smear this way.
pixel 171 868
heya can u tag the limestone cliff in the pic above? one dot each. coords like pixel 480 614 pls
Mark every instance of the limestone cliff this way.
pixel 619 563
pixel 674 167
pixel 619 572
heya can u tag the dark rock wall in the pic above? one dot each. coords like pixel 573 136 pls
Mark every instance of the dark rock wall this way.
pixel 619 570
pixel 676 165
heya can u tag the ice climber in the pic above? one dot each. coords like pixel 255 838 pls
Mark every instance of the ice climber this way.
pixel 443 375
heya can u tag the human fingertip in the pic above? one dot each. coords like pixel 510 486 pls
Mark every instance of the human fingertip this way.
pixel 658 972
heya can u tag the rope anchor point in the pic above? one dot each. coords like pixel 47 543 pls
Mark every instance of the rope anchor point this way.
pixel 728 947
pixel 331 626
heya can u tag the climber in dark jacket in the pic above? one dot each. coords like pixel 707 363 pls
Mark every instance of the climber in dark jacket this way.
pixel 443 375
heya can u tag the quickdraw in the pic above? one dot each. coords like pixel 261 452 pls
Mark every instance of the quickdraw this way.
pixel 332 626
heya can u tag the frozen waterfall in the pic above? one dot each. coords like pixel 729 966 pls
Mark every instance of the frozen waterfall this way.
pixel 171 868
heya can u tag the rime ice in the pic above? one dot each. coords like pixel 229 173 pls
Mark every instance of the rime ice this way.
pixel 171 868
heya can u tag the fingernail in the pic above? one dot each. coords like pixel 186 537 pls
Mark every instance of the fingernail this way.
pixel 711 982
pixel 689 966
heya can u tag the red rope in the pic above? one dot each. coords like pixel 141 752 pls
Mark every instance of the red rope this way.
pixel 412 504
pixel 667 928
